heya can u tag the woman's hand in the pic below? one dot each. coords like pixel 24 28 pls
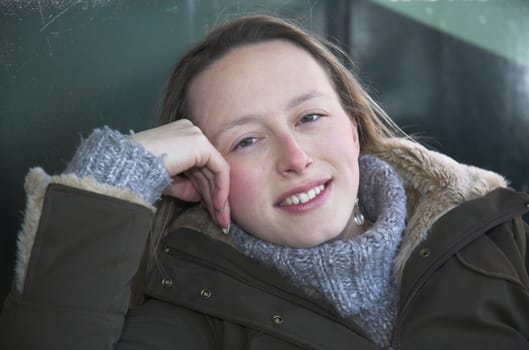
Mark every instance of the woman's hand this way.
pixel 198 170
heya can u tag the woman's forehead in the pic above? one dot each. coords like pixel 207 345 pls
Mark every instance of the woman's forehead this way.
pixel 253 78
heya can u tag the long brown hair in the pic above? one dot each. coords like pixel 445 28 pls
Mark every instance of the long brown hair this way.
pixel 373 124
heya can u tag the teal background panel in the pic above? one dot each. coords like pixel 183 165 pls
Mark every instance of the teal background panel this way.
pixel 455 72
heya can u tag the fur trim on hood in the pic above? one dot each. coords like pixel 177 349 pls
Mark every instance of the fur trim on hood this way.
pixel 35 185
pixel 434 185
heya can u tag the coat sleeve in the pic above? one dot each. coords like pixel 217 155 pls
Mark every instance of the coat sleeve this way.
pixel 78 251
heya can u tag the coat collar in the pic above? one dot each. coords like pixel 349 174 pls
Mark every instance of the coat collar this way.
pixel 434 184
pixel 458 228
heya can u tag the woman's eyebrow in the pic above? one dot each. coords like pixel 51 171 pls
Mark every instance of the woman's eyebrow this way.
pixel 302 98
pixel 250 118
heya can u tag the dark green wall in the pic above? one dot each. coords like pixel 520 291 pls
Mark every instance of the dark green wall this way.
pixel 76 65
pixel 69 66
pixel 456 72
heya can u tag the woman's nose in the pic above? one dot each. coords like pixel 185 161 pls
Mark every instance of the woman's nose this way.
pixel 292 158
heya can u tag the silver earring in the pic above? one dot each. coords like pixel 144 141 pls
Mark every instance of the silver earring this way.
pixel 358 217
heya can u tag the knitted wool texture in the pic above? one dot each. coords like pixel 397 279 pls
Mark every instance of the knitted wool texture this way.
pixel 114 160
pixel 354 275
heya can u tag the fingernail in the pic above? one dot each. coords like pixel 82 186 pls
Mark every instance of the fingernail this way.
pixel 226 230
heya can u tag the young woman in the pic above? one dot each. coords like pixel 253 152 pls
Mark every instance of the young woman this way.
pixel 319 226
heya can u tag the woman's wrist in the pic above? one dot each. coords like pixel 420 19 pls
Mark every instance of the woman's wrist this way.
pixel 113 159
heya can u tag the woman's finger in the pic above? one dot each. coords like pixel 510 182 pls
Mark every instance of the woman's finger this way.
pixel 219 190
pixel 204 181
pixel 186 150
pixel 202 185
pixel 218 173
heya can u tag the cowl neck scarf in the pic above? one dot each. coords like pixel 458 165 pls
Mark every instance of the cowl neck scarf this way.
pixel 355 275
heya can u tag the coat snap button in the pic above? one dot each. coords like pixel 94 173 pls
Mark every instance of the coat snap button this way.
pixel 277 319
pixel 205 293
pixel 425 252
pixel 167 282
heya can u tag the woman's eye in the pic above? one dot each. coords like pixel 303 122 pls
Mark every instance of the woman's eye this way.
pixel 247 141
pixel 309 118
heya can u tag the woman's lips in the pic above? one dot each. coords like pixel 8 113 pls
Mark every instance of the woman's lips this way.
pixel 303 197
pixel 301 201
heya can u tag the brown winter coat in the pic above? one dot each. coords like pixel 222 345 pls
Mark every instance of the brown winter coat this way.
pixel 462 267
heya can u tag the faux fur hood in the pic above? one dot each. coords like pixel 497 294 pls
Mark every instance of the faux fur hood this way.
pixel 434 184
pixel 35 186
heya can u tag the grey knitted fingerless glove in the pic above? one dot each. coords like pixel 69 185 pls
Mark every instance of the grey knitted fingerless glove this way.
pixel 114 160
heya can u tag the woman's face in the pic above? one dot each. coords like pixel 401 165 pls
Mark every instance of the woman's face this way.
pixel 271 110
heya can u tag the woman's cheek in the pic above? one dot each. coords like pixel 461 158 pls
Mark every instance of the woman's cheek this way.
pixel 245 187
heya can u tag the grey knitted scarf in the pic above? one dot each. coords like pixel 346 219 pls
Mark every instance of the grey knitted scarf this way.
pixel 354 275
pixel 110 158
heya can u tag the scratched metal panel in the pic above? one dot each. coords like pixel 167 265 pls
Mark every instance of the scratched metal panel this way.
pixel 68 66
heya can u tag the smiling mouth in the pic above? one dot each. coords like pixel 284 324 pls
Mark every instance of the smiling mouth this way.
pixel 303 197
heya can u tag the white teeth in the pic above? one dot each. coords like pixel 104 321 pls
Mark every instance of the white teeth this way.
pixel 303 197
